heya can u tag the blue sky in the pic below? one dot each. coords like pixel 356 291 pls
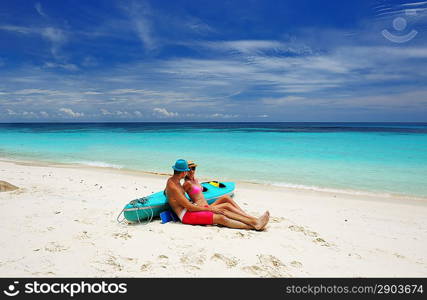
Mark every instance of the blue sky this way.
pixel 76 61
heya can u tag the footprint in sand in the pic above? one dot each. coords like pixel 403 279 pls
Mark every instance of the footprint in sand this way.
pixel 255 270
pixel 317 240
pixel 296 264
pixel 277 219
pixel 355 255
pixel 230 262
pixel 322 242
pixel 273 266
pixel 311 233
pixel 84 221
pixel 163 257
pixel 49 273
pixel 122 235
pixel 185 258
pixel 191 262
pixel 112 261
pixel 303 230
pixel 398 255
pixel 296 228
pixel 55 247
pixel 243 234
pixel 83 236
pixel 270 260
pixel 268 266
pixel 163 261
pixel 145 267
pixel 188 258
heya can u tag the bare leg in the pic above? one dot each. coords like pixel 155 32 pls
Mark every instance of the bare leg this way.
pixel 223 220
pixel 257 224
pixel 228 199
pixel 231 208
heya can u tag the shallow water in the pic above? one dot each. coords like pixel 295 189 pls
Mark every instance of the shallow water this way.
pixel 388 158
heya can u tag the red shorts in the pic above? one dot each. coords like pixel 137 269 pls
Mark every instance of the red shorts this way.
pixel 198 218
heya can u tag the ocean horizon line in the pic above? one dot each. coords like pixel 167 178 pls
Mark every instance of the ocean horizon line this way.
pixel 228 122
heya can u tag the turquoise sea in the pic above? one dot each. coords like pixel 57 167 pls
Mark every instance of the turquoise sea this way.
pixel 386 158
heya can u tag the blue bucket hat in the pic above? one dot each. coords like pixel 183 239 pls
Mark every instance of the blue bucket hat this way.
pixel 181 165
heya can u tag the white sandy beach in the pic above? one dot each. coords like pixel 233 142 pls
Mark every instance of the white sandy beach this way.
pixel 62 222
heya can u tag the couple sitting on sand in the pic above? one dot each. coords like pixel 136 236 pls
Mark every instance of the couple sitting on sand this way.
pixel 223 211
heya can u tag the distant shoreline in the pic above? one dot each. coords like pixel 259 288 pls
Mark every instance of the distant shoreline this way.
pixel 265 185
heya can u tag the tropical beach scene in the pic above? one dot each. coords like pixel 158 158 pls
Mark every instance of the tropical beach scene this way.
pixel 209 139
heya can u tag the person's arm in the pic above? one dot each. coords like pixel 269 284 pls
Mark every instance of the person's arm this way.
pixel 187 187
pixel 184 202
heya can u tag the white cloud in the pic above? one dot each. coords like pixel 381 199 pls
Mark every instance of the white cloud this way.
pixel 35 91
pixel 39 9
pixel 25 114
pixel 29 114
pixel 164 112
pixel 414 3
pixel 71 113
pixel 223 116
pixel 139 14
pixel 127 91
pixel 257 47
pixel 122 113
pixel 255 71
pixel 18 29
pixel 57 37
pixel 281 100
pixel 196 25
pixel 92 93
pixel 54 34
pixel 10 112
pixel 105 112
pixel 138 113
pixel 69 67
pixel 45 93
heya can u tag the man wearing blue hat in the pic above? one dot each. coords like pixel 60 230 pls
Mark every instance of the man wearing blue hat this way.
pixel 190 213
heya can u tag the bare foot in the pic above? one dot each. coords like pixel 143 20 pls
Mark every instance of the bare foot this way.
pixel 267 219
pixel 262 221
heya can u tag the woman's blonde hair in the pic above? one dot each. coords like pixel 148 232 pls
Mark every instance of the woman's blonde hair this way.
pixel 191 164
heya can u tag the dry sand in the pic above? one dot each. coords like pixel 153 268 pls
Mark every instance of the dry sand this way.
pixel 62 222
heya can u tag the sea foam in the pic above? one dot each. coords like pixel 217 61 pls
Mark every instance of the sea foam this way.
pixel 99 164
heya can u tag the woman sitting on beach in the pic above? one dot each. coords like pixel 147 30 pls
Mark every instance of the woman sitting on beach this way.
pixel 194 190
